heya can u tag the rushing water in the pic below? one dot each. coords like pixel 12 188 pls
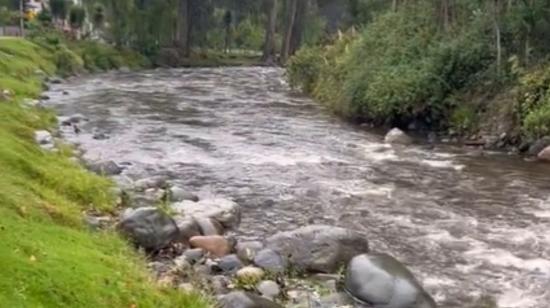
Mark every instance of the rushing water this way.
pixel 467 223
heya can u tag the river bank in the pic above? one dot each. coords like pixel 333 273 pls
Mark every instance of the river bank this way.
pixel 50 257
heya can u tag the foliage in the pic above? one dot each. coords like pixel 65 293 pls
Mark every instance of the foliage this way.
pixel 77 16
pixel 59 9
pixel 534 102
pixel 67 62
pixel 49 258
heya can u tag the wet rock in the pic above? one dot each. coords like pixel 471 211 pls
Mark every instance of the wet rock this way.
pixel 188 228
pixel 250 275
pixel 538 146
pixel 44 97
pixel 148 227
pixel 100 136
pixel 56 80
pixel 318 248
pixel 270 261
pixel 226 212
pixel 43 137
pixel 208 226
pixel 382 281
pixel 73 119
pixel 65 92
pixel 152 182
pixel 193 255
pixel 220 284
pixel 106 168
pixel 248 250
pixel 269 289
pixel 154 195
pixel 397 136
pixel 230 264
pixel 216 245
pixel 178 194
pixel 544 155
pixel 240 299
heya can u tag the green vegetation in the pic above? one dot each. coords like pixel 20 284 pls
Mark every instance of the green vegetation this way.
pixel 49 258
pixel 420 61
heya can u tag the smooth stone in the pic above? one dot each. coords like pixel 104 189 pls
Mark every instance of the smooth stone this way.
pixel 397 136
pixel 226 212
pixel 248 250
pixel 148 227
pixel 230 263
pixel 269 289
pixel 544 155
pixel 208 226
pixel 239 299
pixel 106 168
pixel 318 248
pixel 187 227
pixel 193 255
pixel 250 274
pixel 382 281
pixel 220 284
pixel 270 261
pixel 216 245
pixel 178 194
pixel 43 137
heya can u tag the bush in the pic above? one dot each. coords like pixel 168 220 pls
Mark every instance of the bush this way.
pixel 534 102
pixel 67 62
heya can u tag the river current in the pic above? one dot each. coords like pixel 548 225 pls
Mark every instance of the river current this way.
pixel 466 222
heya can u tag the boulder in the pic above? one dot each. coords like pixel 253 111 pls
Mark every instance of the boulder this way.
pixel 43 137
pixel 318 248
pixel 216 245
pixel 250 275
pixel 270 261
pixel 148 227
pixel 544 155
pixel 248 250
pixel 269 289
pixel 538 146
pixel 106 168
pixel 188 228
pixel 226 212
pixel 382 281
pixel 230 264
pixel 239 299
pixel 178 194
pixel 397 136
pixel 209 226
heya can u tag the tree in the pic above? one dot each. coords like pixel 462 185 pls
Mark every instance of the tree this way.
pixel 269 43
pixel 59 9
pixel 98 15
pixel 185 21
pixel 227 21
pixel 291 7
pixel 77 16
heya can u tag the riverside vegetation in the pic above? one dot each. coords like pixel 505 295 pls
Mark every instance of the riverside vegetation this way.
pixel 49 257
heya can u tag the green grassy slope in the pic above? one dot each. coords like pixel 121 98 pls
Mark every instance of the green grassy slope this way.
pixel 48 258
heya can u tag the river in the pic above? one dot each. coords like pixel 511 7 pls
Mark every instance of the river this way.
pixel 466 222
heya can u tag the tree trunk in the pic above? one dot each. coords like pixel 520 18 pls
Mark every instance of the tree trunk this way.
pixel 394 5
pixel 185 26
pixel 498 42
pixel 269 44
pixel 21 18
pixel 446 15
pixel 291 16
pixel 298 26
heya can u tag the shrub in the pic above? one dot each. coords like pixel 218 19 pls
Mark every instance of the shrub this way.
pixel 67 62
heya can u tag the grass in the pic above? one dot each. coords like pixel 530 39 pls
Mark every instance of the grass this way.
pixel 48 257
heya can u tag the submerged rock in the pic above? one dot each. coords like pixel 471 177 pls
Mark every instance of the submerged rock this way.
pixel 148 227
pixel 318 248
pixel 239 299
pixel 397 136
pixel 107 168
pixel 382 281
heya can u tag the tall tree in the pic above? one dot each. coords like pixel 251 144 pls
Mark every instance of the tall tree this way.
pixel 185 26
pixel 291 8
pixel 269 43
pixel 298 26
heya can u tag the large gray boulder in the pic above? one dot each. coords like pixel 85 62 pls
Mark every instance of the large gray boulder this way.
pixel 538 146
pixel 318 248
pixel 148 227
pixel 544 155
pixel 240 299
pixel 383 282
pixel 225 212
pixel 397 136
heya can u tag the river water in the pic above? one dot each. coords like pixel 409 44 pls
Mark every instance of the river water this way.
pixel 467 223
